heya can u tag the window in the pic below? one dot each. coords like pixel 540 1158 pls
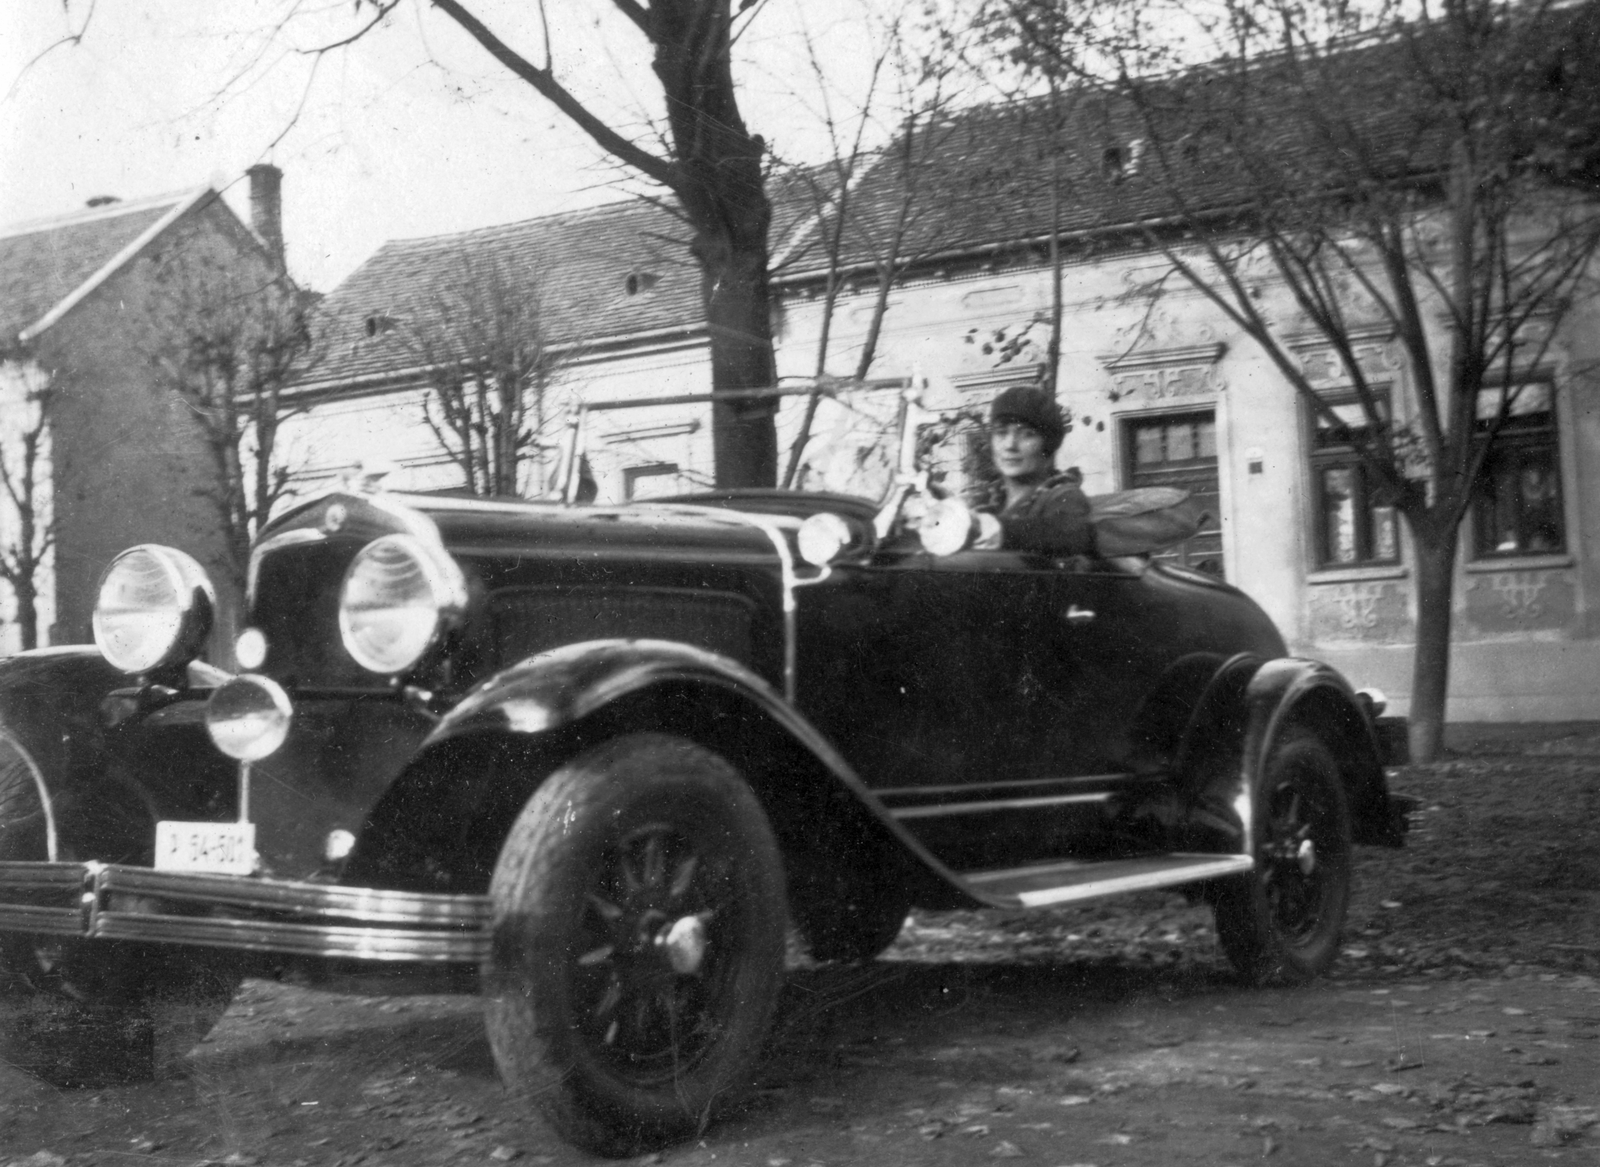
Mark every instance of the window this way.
pixel 381 322
pixel 658 480
pixel 1355 526
pixel 1517 509
pixel 1180 450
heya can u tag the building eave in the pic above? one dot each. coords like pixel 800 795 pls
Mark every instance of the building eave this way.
pixel 576 353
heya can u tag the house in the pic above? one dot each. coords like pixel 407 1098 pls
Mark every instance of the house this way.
pixel 611 296
pixel 121 460
pixel 1163 389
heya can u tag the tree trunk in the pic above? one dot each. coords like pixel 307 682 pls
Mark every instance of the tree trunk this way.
pixel 717 176
pixel 27 609
pixel 1430 672
pixel 744 436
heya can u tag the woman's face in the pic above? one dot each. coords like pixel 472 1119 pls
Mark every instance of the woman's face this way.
pixel 1019 451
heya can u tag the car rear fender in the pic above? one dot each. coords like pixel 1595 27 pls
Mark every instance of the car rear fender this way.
pixel 483 760
pixel 1290 691
pixel 1193 718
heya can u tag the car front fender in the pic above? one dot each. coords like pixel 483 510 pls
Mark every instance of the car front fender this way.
pixel 515 728
pixel 557 688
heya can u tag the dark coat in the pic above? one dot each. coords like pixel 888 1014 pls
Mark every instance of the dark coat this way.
pixel 1053 519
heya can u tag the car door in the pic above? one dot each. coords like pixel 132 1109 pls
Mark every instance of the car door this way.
pixel 982 695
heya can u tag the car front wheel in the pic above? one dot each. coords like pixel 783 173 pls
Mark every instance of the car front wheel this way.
pixel 638 943
pixel 1281 923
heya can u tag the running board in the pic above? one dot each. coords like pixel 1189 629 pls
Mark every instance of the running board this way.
pixel 1073 882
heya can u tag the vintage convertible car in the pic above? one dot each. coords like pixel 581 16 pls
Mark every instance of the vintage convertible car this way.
pixel 608 755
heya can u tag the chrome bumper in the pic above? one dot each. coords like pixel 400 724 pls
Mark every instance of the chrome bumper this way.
pixel 112 901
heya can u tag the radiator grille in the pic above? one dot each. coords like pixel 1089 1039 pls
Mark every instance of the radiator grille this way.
pixel 531 620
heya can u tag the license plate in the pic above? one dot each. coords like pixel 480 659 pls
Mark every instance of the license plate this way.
pixel 226 848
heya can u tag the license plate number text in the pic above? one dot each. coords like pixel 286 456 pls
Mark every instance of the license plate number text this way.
pixel 225 848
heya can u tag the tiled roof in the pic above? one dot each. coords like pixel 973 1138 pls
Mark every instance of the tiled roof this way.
pixel 989 178
pixel 579 265
pixel 981 180
pixel 45 263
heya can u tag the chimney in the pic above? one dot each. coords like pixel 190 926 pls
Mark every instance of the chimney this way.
pixel 266 208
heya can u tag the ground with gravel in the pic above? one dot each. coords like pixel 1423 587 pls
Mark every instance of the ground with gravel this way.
pixel 1461 1026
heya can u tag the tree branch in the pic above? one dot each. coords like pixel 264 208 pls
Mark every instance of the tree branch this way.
pixel 71 38
pixel 543 81
pixel 634 12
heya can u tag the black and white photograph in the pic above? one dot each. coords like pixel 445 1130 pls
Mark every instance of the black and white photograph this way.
pixel 800 583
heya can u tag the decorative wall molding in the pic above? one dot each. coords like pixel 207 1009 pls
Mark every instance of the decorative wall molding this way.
pixel 1373 344
pixel 1359 334
pixel 648 432
pixel 1192 354
pixel 1186 371
pixel 1374 611
pixel 996 379
pixel 1521 601
pixel 988 299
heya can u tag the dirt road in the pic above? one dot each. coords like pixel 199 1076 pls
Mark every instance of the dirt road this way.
pixel 1462 1026
pixel 911 1063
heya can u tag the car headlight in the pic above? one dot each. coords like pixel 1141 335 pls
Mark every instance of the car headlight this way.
pixel 399 594
pixel 154 609
pixel 248 717
pixel 822 537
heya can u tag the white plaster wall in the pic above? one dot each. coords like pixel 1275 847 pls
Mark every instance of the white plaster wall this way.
pixel 1267 519
pixel 333 438
pixel 926 330
pixel 617 440
pixel 1261 432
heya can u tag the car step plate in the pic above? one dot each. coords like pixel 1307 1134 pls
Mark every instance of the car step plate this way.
pixel 1064 883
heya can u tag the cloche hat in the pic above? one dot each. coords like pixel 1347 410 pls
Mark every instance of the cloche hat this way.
pixel 1034 406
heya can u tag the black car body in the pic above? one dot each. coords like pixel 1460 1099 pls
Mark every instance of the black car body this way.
pixel 636 741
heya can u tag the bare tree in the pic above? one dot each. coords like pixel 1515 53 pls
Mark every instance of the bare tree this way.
pixel 479 337
pixel 25 477
pixel 873 211
pixel 225 338
pixel 1426 171
pixel 705 157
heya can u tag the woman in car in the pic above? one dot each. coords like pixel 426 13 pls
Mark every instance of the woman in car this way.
pixel 1032 507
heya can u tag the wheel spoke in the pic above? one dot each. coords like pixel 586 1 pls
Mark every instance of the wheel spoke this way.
pixel 607 911
pixel 683 878
pixel 632 884
pixel 645 1010
pixel 609 1000
pixel 641 1020
pixel 654 863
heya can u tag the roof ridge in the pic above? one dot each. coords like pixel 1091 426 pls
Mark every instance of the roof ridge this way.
pixel 174 211
pixel 94 214
pixel 543 220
